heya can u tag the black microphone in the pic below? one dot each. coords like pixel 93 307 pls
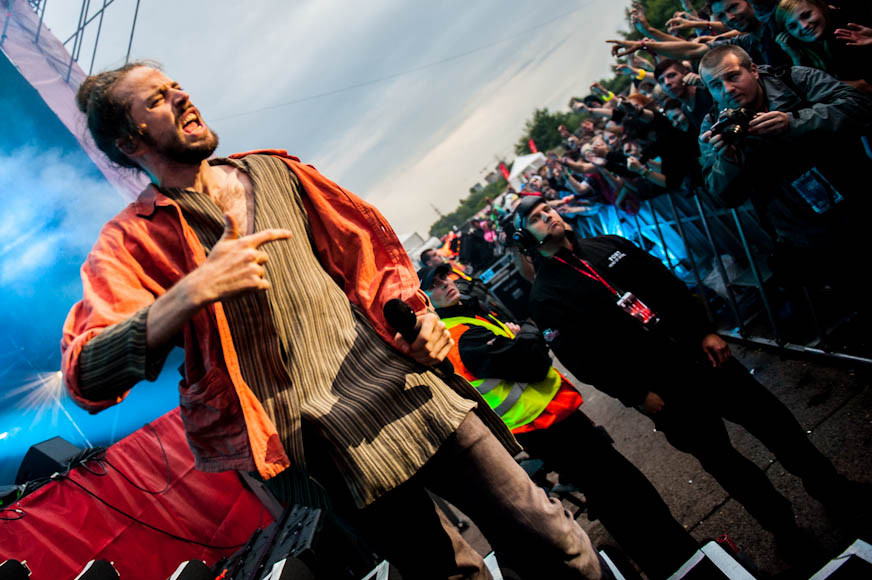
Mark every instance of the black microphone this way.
pixel 402 318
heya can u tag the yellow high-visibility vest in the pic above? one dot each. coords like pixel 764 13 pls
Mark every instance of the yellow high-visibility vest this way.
pixel 516 403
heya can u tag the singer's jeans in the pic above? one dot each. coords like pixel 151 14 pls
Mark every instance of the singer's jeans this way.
pixel 531 533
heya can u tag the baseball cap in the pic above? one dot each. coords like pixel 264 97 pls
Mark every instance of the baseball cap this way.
pixel 428 274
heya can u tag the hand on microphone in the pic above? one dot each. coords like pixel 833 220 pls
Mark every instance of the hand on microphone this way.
pixel 432 344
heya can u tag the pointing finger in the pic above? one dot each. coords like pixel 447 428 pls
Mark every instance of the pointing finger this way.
pixel 269 235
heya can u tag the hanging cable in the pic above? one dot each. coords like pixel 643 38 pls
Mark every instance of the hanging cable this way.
pixel 405 72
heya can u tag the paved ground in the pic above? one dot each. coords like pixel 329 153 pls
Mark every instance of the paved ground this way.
pixel 833 402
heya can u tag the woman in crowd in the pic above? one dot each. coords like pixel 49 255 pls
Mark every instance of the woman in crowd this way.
pixel 818 35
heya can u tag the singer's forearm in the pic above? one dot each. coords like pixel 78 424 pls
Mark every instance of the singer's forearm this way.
pixel 171 312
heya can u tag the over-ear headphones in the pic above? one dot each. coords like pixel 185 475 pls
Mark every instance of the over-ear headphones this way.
pixel 522 238
pixel 525 241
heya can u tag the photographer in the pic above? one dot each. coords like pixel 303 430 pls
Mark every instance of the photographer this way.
pixel 649 135
pixel 788 140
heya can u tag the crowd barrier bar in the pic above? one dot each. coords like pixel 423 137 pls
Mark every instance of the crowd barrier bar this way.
pixel 725 232
pixel 741 333
pixel 731 297
pixel 752 263
pixel 689 253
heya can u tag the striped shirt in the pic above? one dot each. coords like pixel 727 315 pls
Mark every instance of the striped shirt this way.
pixel 309 354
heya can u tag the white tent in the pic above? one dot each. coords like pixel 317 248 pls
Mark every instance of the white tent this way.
pixel 524 167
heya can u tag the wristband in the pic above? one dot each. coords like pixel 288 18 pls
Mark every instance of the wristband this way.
pixel 608 97
pixel 641 74
pixel 644 45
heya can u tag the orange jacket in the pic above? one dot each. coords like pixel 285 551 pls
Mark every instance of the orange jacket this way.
pixel 149 246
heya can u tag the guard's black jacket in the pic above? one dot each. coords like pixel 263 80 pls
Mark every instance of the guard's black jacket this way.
pixel 601 344
pixel 487 355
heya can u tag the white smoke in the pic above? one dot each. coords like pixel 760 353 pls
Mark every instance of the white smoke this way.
pixel 53 205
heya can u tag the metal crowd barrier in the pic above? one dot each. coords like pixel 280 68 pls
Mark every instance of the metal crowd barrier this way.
pixel 722 255
pixel 726 250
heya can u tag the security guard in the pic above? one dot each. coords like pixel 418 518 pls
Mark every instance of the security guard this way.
pixel 510 366
pixel 620 321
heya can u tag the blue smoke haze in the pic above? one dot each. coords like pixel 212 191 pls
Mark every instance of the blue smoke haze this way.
pixel 54 203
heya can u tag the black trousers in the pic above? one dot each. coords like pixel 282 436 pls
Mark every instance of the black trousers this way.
pixel 618 494
pixel 696 402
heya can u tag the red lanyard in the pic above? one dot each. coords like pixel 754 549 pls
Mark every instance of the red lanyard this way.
pixel 591 273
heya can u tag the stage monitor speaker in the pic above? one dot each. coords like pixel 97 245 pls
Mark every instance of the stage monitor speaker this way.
pixel 314 544
pixel 14 570
pixel 711 562
pixel 193 570
pixel 46 458
pixel 291 569
pixel 99 570
pixel 385 571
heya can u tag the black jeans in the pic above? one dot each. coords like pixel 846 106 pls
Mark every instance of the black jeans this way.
pixel 617 493
pixel 696 402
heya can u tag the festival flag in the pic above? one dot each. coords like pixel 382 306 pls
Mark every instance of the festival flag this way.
pixel 504 170
pixel 533 147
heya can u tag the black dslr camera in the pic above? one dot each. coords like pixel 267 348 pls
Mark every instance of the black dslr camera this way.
pixel 732 124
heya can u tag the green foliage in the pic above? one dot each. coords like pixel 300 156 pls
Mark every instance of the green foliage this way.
pixel 542 129
pixel 659 11
pixel 468 207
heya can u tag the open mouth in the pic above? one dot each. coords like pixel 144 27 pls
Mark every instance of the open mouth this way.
pixel 191 122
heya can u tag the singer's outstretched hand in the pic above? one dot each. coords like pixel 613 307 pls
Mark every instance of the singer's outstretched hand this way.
pixel 433 342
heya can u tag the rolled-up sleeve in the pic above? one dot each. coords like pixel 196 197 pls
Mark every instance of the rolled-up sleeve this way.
pixel 118 358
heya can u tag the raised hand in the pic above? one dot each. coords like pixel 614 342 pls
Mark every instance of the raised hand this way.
pixel 638 18
pixel 624 47
pixel 676 24
pixel 625 69
pixel 855 34
pixel 634 165
pixel 692 80
pixel 234 265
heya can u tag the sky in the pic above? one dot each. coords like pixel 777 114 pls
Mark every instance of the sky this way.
pixel 407 105
pixel 435 93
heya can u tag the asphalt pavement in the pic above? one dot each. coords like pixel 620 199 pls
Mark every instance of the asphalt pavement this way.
pixel 833 402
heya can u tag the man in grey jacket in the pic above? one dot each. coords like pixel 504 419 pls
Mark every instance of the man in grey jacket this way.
pixel 797 155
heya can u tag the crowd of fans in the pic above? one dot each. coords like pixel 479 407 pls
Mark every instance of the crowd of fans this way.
pixel 764 102
pixel 744 100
